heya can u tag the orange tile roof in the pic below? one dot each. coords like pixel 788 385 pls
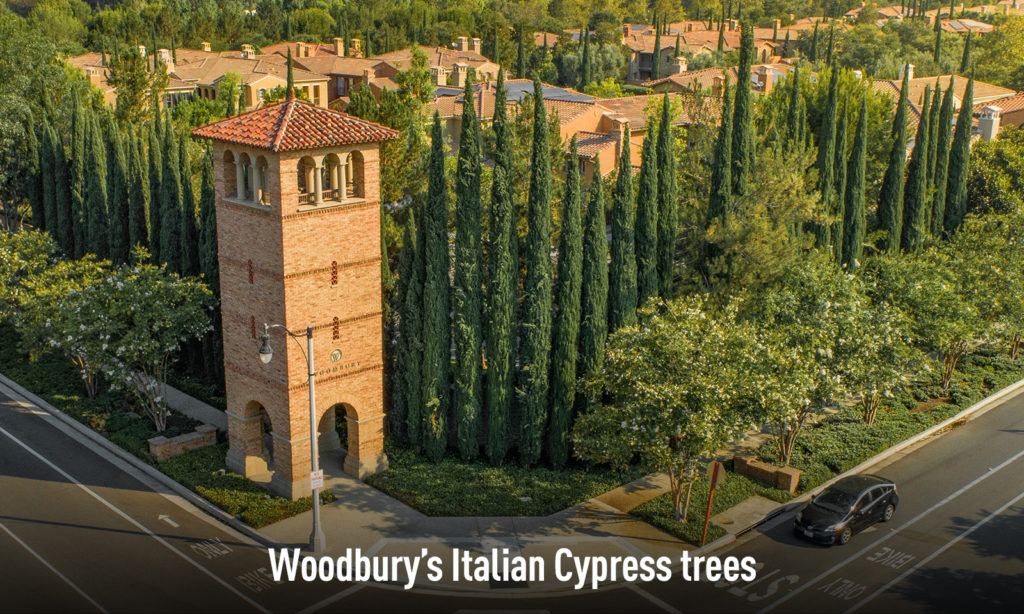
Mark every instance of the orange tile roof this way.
pixel 294 125
pixel 589 144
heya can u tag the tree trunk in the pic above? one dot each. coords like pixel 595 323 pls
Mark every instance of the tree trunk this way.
pixel 871 403
pixel 1015 346
pixel 950 359
pixel 686 506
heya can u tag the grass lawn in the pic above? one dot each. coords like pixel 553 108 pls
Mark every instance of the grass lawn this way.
pixel 842 440
pixel 456 488
pixel 55 379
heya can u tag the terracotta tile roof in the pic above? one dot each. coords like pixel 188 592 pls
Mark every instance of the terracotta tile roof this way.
pixel 334 65
pixel 1007 105
pixel 635 108
pixel 589 144
pixel 294 125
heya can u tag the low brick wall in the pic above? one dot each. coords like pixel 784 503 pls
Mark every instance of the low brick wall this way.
pixel 783 478
pixel 163 448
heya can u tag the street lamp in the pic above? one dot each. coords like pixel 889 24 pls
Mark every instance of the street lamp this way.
pixel 317 539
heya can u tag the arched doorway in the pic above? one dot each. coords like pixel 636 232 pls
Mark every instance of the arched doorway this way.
pixel 333 437
pixel 251 442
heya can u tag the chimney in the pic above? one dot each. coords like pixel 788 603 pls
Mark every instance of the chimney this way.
pixel 766 75
pixel 368 74
pixel 247 51
pixel 302 50
pixel 792 17
pixel 777 24
pixel 717 84
pixel 474 45
pixel 339 47
pixel 625 30
pixel 681 65
pixel 689 27
pixel 167 58
pixel 205 46
pixel 988 122
pixel 734 25
pixel 357 48
pixel 439 75
pixel 459 75
pixel 462 43
pixel 142 51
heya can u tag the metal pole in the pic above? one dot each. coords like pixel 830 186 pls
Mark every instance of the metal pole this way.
pixel 317 539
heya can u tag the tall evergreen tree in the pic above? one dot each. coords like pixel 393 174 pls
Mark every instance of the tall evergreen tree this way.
pixel 890 200
pixel 156 165
pixel 647 224
pixel 656 58
pixel 826 161
pixel 839 182
pixel 812 53
pixel 720 198
pixel 594 292
pixel 586 62
pixel 943 136
pixel 787 46
pixel 76 174
pixel 411 331
pixel 743 141
pixel 831 45
pixel 959 161
pixel 622 290
pixel 502 285
pixel 47 177
pixel 536 327
pixel 567 326
pixel 213 351
pixel 170 202
pixel 189 223
pixel 97 234
pixel 937 50
pixel 854 221
pixel 436 303
pixel 793 112
pixel 65 233
pixel 138 194
pixel 468 286
pixel 915 198
pixel 35 173
pixel 965 59
pixel 667 201
pixel 721 34
pixel 520 54
pixel 933 126
pixel 118 195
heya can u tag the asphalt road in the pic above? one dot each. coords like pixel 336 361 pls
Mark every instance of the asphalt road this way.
pixel 82 532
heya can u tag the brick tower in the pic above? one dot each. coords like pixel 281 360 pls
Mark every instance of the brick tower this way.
pixel 298 234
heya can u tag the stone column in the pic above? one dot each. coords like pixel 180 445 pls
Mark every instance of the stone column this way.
pixel 318 193
pixel 342 183
pixel 257 188
pixel 239 179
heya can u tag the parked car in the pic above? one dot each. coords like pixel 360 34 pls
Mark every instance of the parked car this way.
pixel 849 506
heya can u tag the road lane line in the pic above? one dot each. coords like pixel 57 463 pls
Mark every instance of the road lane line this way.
pixel 134 522
pixel 877 542
pixel 53 569
pixel 931 556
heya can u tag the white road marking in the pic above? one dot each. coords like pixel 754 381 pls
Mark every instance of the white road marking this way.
pixel 134 522
pixel 53 569
pixel 931 556
pixel 168 520
pixel 877 542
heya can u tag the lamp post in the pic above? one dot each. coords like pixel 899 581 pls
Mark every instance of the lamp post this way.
pixel 317 539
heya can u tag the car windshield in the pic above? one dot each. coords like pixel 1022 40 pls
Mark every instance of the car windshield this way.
pixel 834 500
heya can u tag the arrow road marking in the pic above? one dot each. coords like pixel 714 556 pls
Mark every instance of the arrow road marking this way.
pixel 168 520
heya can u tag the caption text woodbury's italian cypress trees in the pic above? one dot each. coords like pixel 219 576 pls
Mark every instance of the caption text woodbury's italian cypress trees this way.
pixel 567 325
pixel 467 289
pixel 502 286
pixel 890 199
pixel 854 221
pixel 436 328
pixel 647 224
pixel 594 292
pixel 959 159
pixel 667 197
pixel 536 326
pixel 915 200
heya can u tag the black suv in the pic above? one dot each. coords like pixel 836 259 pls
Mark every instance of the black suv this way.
pixel 850 505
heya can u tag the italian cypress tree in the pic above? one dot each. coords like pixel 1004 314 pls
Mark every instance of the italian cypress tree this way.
pixel 536 327
pixel 520 54
pixel 965 59
pixel 411 330
pixel 890 200
pixel 786 46
pixel 567 326
pixel 959 160
pixel 213 350
pixel 775 31
pixel 65 233
pixel 138 194
pixel 915 198
pixel 502 284
pixel 594 293
pixel 156 163
pixel 646 229
pixel 97 234
pixel 467 289
pixel 854 221
pixel 720 198
pixel 721 34
pixel 937 51
pixel 826 160
pixel 117 193
pixel 656 59
pixel 679 47
pixel 667 198
pixel 831 45
pixel 622 291
pixel 793 112
pixel 812 53
pixel 933 126
pixel 586 67
pixel 47 174
pixel 838 193
pixel 436 327
pixel 170 202
pixel 35 174
pixel 76 174
pixel 943 136
pixel 743 141
pixel 189 226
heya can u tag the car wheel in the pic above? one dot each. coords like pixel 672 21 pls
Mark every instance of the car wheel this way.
pixel 844 536
pixel 888 513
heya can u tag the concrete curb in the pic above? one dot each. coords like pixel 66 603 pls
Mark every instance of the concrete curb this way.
pixel 972 412
pixel 151 472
